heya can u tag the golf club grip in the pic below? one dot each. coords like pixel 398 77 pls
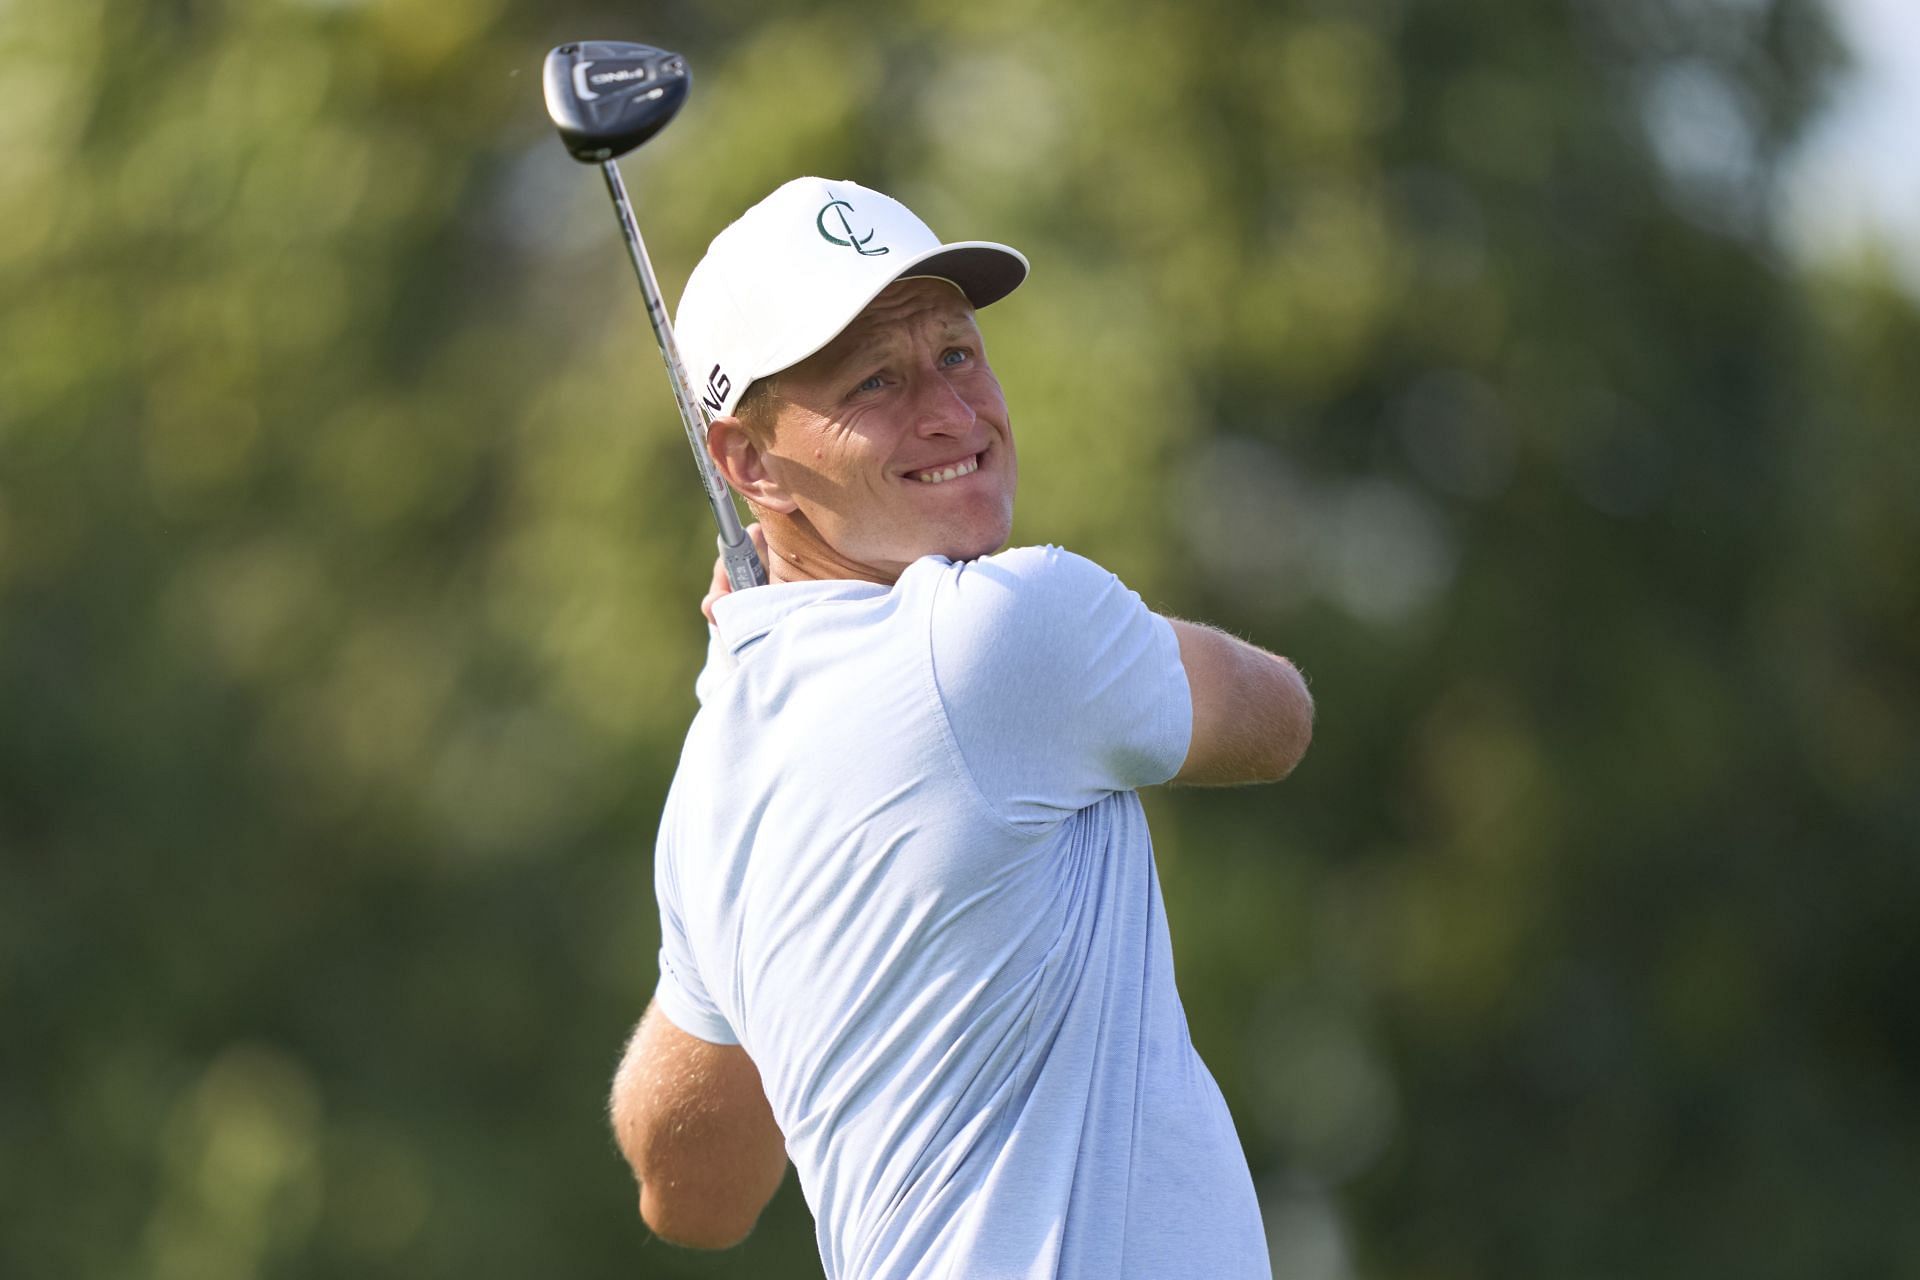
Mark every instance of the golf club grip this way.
pixel 743 565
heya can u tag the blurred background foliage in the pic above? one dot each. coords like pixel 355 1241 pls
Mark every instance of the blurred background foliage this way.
pixel 349 555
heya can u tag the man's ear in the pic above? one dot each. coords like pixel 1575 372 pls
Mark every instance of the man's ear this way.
pixel 744 465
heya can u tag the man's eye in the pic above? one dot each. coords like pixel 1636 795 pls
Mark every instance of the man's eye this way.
pixel 871 384
pixel 954 356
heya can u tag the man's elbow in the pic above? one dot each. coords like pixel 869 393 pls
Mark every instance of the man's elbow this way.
pixel 693 1221
pixel 1293 733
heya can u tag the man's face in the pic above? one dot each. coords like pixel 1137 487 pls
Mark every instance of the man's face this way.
pixel 893 440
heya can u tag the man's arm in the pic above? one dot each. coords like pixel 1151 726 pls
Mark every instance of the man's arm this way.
pixel 693 1121
pixel 1252 714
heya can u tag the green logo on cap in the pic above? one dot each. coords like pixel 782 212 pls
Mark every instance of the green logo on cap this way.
pixel 855 241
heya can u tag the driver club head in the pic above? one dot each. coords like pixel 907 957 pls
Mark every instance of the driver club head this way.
pixel 607 97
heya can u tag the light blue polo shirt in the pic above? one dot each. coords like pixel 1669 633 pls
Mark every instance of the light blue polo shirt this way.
pixel 902 863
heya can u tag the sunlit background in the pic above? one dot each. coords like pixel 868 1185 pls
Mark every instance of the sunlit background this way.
pixel 1543 377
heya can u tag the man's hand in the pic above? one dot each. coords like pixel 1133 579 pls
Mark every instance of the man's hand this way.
pixel 693 1122
pixel 720 586
pixel 1252 714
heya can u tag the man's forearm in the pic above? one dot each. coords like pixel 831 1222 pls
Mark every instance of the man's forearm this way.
pixel 1252 713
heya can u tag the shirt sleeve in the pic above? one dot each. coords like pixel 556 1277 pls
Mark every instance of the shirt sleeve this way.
pixel 1060 685
pixel 681 994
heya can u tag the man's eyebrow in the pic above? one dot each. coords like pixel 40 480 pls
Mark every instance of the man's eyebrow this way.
pixel 860 351
pixel 955 324
pixel 958 324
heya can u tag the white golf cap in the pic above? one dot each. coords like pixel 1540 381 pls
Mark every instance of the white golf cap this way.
pixel 794 270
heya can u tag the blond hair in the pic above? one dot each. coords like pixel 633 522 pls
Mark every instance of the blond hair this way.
pixel 759 409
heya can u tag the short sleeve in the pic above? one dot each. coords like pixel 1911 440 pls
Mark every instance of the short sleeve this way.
pixel 681 994
pixel 1060 685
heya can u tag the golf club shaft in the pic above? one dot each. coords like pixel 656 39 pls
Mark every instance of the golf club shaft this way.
pixel 736 550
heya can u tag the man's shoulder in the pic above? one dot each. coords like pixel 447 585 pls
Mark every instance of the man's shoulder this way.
pixel 1045 572
pixel 1027 603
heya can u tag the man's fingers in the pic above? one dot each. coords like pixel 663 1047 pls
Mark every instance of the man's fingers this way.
pixel 715 589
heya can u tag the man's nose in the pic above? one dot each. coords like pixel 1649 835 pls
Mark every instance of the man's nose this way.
pixel 938 407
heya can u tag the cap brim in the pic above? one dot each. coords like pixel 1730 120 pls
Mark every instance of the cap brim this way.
pixel 986 272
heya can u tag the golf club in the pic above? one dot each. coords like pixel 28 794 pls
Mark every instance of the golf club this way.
pixel 607 97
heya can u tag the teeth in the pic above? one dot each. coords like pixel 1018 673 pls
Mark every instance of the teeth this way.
pixel 953 472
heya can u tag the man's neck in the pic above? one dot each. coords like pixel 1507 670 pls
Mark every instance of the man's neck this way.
pixel 797 553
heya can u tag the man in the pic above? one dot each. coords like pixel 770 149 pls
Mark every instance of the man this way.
pixel 912 935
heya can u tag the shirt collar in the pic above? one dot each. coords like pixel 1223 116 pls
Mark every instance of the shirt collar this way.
pixel 745 616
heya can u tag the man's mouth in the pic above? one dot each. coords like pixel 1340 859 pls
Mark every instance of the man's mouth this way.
pixel 952 471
